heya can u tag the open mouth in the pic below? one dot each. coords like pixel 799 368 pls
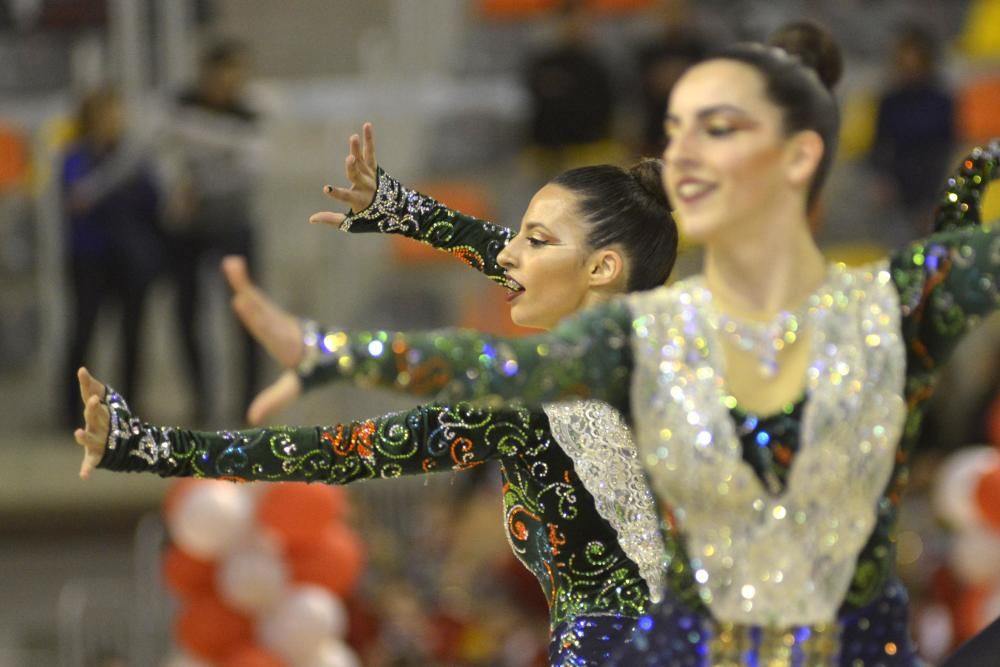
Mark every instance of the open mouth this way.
pixel 514 289
pixel 690 190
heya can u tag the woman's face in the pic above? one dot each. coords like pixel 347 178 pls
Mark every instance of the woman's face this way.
pixel 548 259
pixel 725 155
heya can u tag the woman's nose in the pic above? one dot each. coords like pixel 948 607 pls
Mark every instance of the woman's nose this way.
pixel 680 150
pixel 506 256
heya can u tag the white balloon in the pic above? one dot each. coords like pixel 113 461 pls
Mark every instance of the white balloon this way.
pixel 333 653
pixel 210 519
pixel 252 579
pixel 975 557
pixel 954 490
pixel 180 659
pixel 299 625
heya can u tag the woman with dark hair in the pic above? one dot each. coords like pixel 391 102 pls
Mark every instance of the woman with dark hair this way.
pixel 776 399
pixel 578 512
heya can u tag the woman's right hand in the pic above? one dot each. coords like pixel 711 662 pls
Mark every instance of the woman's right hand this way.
pixel 361 167
pixel 277 330
pixel 93 437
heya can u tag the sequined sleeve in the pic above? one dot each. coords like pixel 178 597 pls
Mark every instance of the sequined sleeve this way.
pixel 587 356
pixel 398 210
pixel 949 281
pixel 425 439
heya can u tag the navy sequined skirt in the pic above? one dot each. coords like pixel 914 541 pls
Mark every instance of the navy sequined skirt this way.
pixel 589 641
pixel 672 635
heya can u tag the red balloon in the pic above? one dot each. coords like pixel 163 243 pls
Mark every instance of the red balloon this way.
pixel 186 575
pixel 969 612
pixel 993 422
pixel 251 656
pixel 988 497
pixel 296 511
pixel 209 629
pixel 333 560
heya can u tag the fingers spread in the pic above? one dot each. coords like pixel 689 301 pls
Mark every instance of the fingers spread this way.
pixel 327 218
pixel 234 268
pixel 89 385
pixel 368 152
pixel 352 198
pixel 96 419
pixel 285 390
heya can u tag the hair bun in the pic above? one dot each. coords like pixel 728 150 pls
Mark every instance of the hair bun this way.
pixel 648 172
pixel 814 46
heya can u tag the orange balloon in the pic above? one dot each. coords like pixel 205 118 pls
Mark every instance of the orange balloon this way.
pixel 333 560
pixel 988 497
pixel 251 656
pixel 209 629
pixel 296 511
pixel 969 612
pixel 186 575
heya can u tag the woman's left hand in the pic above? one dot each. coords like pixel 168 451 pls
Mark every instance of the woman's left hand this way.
pixel 93 437
pixel 361 167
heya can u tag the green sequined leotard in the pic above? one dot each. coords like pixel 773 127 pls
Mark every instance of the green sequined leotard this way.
pixel 819 548
pixel 594 554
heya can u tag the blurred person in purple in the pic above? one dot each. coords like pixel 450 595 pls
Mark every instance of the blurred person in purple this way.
pixel 113 236
pixel 914 132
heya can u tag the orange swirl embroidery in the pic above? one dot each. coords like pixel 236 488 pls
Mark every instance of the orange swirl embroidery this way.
pixel 516 528
pixel 429 376
pixel 935 279
pixel 555 539
pixel 462 453
pixel 361 438
pixel 337 443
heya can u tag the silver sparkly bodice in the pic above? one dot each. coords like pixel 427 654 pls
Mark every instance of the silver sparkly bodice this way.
pixel 596 437
pixel 763 558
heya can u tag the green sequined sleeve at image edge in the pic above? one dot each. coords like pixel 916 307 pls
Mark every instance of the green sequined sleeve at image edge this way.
pixel 949 280
pixel 587 356
pixel 398 210
pixel 423 440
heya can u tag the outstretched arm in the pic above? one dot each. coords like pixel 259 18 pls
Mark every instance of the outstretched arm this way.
pixel 587 356
pixel 380 203
pixel 950 280
pixel 425 439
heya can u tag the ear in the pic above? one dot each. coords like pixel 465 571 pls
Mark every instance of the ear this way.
pixel 607 266
pixel 805 151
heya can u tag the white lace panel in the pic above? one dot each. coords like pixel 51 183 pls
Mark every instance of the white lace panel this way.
pixel 761 558
pixel 596 437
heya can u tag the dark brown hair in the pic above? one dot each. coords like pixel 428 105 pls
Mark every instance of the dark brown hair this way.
pixel 628 207
pixel 800 64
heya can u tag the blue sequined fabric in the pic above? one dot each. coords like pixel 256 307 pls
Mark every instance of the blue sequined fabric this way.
pixel 674 635
pixel 589 640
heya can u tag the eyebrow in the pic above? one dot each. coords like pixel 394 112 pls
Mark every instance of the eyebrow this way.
pixel 709 111
pixel 528 226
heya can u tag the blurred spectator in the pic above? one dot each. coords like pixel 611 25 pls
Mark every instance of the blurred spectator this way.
pixel 111 206
pixel 572 100
pixel 914 130
pixel 662 60
pixel 215 145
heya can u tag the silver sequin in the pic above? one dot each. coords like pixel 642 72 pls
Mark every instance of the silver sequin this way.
pixel 762 558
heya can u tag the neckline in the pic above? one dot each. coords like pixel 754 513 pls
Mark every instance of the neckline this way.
pixel 787 409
